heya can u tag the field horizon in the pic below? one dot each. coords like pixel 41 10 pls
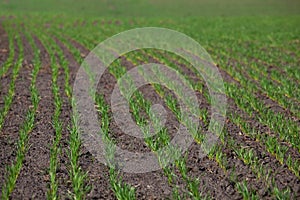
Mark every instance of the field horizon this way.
pixel 154 8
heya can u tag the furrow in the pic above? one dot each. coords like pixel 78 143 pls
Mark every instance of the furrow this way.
pixel 33 178
pixel 99 182
pixel 208 167
pixel 24 92
pixel 146 184
pixel 6 48
pixel 242 140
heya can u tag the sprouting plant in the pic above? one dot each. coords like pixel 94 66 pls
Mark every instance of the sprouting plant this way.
pixel 26 127
pixel 285 194
pixel 245 192
pixel 121 189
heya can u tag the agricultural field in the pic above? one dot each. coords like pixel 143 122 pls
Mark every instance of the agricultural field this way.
pixel 255 47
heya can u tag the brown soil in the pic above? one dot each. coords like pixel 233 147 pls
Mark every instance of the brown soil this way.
pixel 34 171
pixel 241 170
pixel 4 46
pixel 33 181
pixel 152 185
pixel 10 133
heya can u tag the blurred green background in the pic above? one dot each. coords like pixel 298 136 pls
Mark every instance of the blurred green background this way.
pixel 153 8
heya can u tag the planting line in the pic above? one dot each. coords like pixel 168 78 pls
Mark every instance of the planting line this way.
pixel 117 185
pixel 8 99
pixel 9 62
pixel 77 176
pixel 262 112
pixel 262 117
pixel 215 153
pixel 249 54
pixel 293 167
pixel 55 148
pixel 288 90
pixel 245 154
pixel 75 173
pixel 219 154
pixel 121 190
pixel 137 104
pixel 27 126
pixel 192 184
pixel 287 129
pixel 267 90
pixel 279 149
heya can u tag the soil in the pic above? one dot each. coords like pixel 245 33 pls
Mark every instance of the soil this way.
pixel 268 102
pixel 4 46
pixel 241 170
pixel 152 185
pixel 4 53
pixel 10 133
pixel 35 169
pixel 33 180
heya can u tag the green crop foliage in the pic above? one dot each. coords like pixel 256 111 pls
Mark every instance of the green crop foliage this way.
pixel 246 193
pixel 138 104
pixel 8 99
pixel 258 57
pixel 77 176
pixel 121 190
pixel 280 150
pixel 57 124
pixel 246 155
pixel 278 88
pixel 9 62
pixel 14 169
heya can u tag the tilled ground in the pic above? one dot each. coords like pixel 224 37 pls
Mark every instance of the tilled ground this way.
pixel 33 180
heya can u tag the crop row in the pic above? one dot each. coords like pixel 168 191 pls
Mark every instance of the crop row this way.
pixel 284 93
pixel 249 103
pixel 192 184
pixel 8 99
pixel 13 170
pixel 248 157
pixel 121 190
pixel 249 154
pixel 77 176
pixel 272 144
